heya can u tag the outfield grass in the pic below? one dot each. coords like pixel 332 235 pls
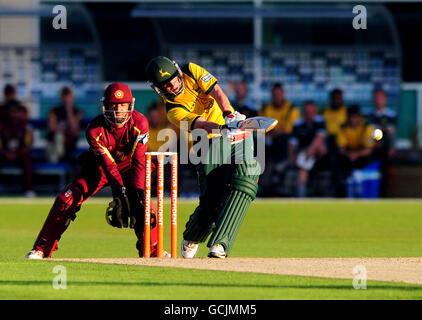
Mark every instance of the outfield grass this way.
pixel 270 229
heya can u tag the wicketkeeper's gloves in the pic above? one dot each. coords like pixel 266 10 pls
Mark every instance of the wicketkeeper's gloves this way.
pixel 118 211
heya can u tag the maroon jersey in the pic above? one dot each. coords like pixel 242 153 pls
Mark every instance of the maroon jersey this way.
pixel 14 132
pixel 120 149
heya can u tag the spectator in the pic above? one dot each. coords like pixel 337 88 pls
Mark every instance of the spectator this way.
pixel 13 107
pixel 155 120
pixel 306 146
pixel 355 145
pixel 335 115
pixel 276 141
pixel 384 119
pixel 286 114
pixel 63 128
pixel 242 103
pixel 16 137
pixel 160 106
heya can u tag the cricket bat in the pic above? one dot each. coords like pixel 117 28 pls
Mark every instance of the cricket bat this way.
pixel 256 123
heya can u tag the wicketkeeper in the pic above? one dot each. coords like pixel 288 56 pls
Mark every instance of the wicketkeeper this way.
pixel 116 157
pixel 192 94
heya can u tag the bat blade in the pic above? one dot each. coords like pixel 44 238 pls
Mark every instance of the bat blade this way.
pixel 256 123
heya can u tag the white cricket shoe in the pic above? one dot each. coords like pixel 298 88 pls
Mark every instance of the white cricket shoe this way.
pixel 35 255
pixel 166 254
pixel 189 249
pixel 217 251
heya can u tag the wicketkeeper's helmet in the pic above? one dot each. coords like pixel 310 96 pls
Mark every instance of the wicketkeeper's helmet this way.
pixel 117 93
pixel 161 70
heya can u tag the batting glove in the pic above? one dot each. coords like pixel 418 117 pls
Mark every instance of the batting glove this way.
pixel 233 136
pixel 233 120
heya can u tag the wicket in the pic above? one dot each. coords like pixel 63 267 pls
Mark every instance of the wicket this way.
pixel 160 203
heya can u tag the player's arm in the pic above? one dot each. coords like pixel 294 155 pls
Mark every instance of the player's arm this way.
pixel 118 211
pixel 52 122
pixel 208 126
pixel 194 121
pixel 209 85
pixel 222 100
pixel 342 143
pixel 368 143
pixel 139 148
pixel 106 160
pixel 319 139
pixel 178 113
pixel 73 120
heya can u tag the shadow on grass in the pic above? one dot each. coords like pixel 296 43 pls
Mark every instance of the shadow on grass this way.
pixel 213 285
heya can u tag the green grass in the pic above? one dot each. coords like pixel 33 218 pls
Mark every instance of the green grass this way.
pixel 270 229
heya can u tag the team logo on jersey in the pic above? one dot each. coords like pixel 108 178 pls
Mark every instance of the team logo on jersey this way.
pixel 142 138
pixel 207 77
pixel 68 193
pixel 163 74
pixel 119 94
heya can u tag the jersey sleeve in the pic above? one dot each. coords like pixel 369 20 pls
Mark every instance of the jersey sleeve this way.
pixel 177 113
pixel 342 139
pixel 294 116
pixel 368 141
pixel 95 137
pixel 205 80
pixel 140 146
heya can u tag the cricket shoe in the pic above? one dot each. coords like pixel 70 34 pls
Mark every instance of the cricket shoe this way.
pixel 189 249
pixel 217 251
pixel 166 254
pixel 35 255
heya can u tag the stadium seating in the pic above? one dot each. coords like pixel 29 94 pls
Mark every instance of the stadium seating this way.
pixel 306 74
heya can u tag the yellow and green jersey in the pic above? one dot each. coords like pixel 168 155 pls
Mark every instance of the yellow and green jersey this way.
pixel 334 119
pixel 195 100
pixel 355 138
pixel 287 115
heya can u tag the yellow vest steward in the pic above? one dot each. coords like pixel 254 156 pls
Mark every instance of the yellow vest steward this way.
pixel 356 138
pixel 287 115
pixel 195 100
pixel 334 119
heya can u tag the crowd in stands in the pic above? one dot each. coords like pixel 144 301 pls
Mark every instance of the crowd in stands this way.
pixel 337 138
pixel 64 126
pixel 16 134
pixel 308 139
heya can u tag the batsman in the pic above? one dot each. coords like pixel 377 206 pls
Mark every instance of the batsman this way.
pixel 118 140
pixel 227 187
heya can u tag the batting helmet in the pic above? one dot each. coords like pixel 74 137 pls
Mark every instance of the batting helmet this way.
pixel 117 93
pixel 161 70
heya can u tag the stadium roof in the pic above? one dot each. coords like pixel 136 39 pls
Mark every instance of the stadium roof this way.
pixel 237 1
pixel 267 10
